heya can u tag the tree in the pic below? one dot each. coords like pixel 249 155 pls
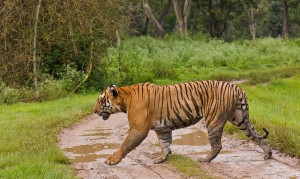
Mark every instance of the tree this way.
pixel 275 19
pixel 285 21
pixel 214 15
pixel 35 76
pixel 182 9
pixel 63 38
pixel 252 25
pixel 152 19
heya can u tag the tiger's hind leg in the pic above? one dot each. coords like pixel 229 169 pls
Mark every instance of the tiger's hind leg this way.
pixel 214 135
pixel 241 120
pixel 165 139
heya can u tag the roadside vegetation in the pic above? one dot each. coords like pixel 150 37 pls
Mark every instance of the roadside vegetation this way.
pixel 29 137
pixel 170 61
pixel 188 166
pixel 190 59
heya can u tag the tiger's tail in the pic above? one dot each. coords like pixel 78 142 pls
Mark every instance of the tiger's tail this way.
pixel 242 111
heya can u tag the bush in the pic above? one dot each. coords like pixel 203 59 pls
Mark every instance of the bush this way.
pixel 8 95
pixel 52 89
pixel 71 78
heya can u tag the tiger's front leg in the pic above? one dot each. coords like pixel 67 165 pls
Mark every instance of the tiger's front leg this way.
pixel 133 139
pixel 165 139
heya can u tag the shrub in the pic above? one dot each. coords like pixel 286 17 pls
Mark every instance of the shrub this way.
pixel 8 95
pixel 52 89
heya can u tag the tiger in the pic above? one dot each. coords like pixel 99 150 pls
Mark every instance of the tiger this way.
pixel 166 108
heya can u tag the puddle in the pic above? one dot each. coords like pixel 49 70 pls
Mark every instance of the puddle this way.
pixel 99 129
pixel 98 138
pixel 87 153
pixel 196 138
pixel 97 134
pixel 207 152
pixel 88 158
pixel 88 149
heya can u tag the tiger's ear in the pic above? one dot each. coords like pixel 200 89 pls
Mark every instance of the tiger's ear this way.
pixel 113 89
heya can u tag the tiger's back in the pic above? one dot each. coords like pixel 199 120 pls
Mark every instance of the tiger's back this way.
pixel 181 105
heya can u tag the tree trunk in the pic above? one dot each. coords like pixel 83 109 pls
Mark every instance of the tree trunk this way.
pixel 212 25
pixel 186 11
pixel 152 18
pixel 285 19
pixel 252 25
pixel 35 78
pixel 182 14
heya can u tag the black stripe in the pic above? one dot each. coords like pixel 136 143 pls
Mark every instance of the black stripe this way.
pixel 174 123
pixel 168 112
pixel 186 91
pixel 154 101
pixel 180 86
pixel 190 116
pixel 177 96
pixel 242 122
pixel 122 90
pixel 243 129
pixel 170 96
pixel 162 102
pixel 180 119
pixel 195 105
pixel 187 105
pixel 158 100
pixel 143 90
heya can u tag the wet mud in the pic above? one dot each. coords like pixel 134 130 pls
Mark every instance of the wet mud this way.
pixel 90 142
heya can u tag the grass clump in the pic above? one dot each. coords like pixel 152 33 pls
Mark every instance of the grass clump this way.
pixel 187 166
pixel 29 137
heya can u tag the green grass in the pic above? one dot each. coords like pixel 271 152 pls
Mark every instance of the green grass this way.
pixel 178 60
pixel 29 137
pixel 187 166
pixel 276 106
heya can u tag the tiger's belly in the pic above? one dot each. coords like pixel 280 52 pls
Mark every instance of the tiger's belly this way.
pixel 172 124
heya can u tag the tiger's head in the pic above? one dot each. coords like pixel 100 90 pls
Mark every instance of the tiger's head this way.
pixel 107 103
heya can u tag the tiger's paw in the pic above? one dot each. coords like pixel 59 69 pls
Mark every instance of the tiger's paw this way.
pixel 268 155
pixel 113 160
pixel 203 160
pixel 160 159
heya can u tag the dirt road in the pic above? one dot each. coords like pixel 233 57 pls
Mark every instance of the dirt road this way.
pixel 88 143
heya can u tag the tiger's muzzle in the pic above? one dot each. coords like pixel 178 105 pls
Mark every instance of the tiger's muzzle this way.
pixel 105 115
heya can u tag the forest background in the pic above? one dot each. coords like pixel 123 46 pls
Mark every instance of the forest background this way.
pixel 52 49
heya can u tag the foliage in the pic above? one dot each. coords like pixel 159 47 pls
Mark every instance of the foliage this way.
pixel 8 95
pixel 147 59
pixel 65 32
pixel 29 132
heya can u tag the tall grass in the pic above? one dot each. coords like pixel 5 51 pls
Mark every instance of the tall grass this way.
pixel 172 60
pixel 29 137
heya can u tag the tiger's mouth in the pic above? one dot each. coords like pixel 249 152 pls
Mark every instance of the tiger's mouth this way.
pixel 105 115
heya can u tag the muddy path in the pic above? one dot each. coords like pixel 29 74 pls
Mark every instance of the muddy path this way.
pixel 89 142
